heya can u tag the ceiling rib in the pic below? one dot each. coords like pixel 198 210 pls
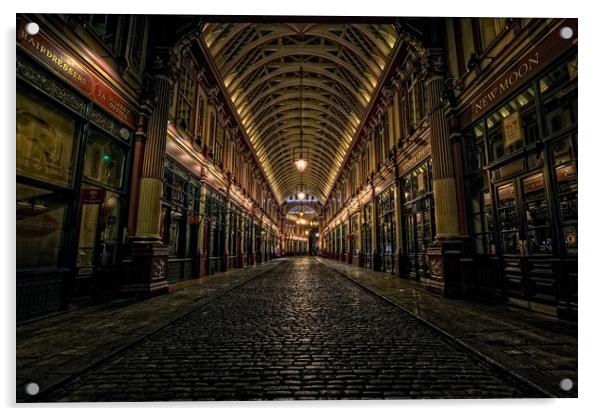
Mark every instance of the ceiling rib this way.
pixel 260 64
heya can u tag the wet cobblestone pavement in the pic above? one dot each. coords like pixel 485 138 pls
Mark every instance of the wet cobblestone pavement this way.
pixel 300 331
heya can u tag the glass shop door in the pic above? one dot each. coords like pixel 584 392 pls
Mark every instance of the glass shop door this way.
pixel 527 244
pixel 98 243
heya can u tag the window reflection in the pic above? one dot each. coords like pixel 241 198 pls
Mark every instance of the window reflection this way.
pixel 104 160
pixel 513 126
pixel 40 227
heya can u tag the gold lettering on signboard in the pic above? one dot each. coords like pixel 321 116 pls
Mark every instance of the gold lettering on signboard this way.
pixel 507 82
pixel 52 57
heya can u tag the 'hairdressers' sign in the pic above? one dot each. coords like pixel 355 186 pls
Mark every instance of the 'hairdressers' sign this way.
pixel 65 65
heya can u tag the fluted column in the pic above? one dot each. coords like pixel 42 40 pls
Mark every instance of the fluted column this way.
pixel 444 184
pixel 446 275
pixel 147 274
pixel 151 183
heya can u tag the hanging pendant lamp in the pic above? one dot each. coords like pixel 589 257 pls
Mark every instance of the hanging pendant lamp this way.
pixel 301 163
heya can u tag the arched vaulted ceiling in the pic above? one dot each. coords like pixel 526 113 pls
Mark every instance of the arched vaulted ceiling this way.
pixel 261 65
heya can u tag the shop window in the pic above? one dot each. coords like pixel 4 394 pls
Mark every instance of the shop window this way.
pixel 565 172
pixel 482 223
pixel 508 218
pixel 41 216
pixel 418 221
pixel 234 228
pixel 367 234
pixel 104 160
pixel 98 229
pixel 512 126
pixel 386 226
pixel 559 92
pixel 539 238
pixel 418 182
pixel 180 211
pixel 46 140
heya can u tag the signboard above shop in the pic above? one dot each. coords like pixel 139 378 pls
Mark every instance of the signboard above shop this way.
pixel 69 67
pixel 524 69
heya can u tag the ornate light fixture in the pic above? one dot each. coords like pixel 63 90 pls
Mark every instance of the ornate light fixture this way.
pixel 301 163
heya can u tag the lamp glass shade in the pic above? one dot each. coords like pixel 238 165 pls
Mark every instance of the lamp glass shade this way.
pixel 301 195
pixel 301 164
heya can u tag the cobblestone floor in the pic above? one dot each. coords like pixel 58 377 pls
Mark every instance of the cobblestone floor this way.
pixel 299 331
pixel 537 347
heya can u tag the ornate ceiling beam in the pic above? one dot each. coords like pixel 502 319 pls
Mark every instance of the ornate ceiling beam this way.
pixel 351 85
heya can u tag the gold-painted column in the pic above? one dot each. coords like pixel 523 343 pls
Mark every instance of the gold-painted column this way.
pixel 149 256
pixel 151 183
pixel 444 184
pixel 447 275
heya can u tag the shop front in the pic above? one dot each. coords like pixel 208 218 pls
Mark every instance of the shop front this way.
pixel 74 148
pixel 366 249
pixel 258 233
pixel 235 239
pixel 354 240
pixel 521 171
pixel 385 233
pixel 215 230
pixel 181 213
pixel 418 225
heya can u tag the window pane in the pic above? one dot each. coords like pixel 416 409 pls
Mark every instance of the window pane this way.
pixel 508 217
pixel 570 239
pixel 104 160
pixel 563 151
pixel 559 90
pixel 45 140
pixel 512 126
pixel 539 238
pixel 40 227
